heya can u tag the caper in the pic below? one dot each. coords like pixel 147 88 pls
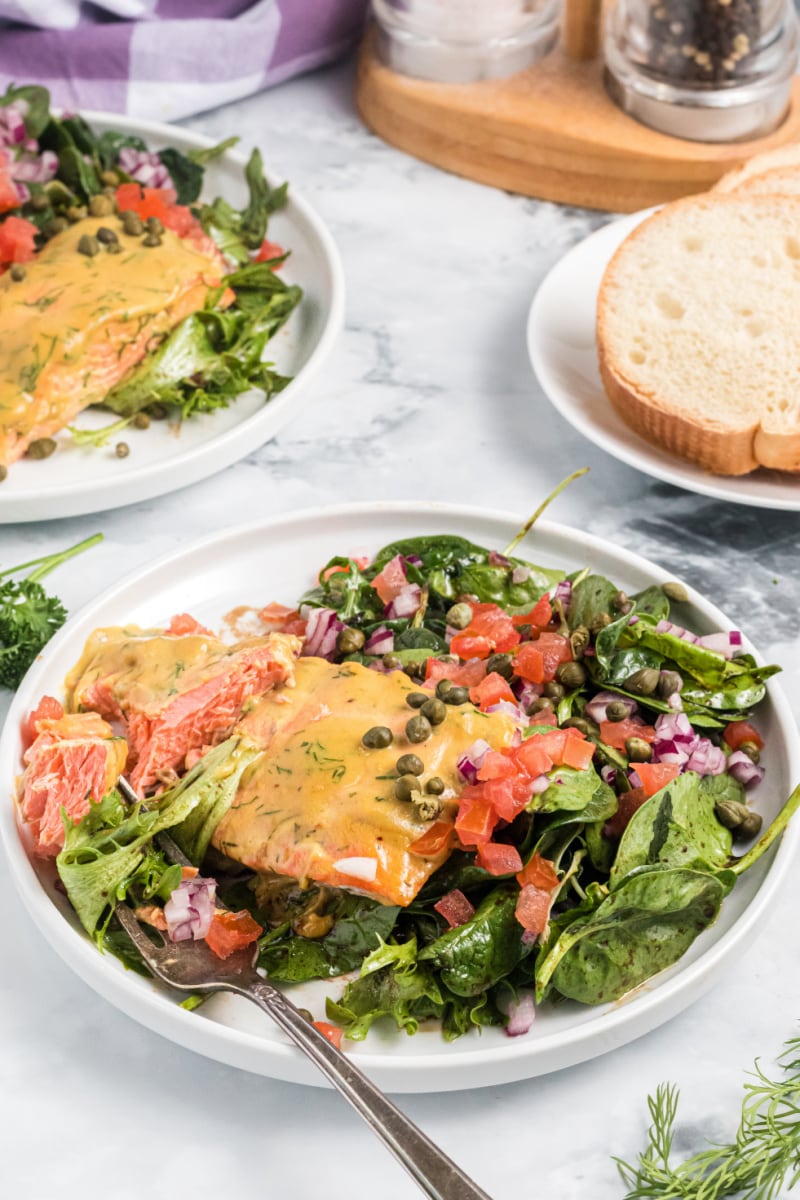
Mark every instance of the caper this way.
pixel 539 705
pixel 434 710
pixel 153 225
pixel 307 1015
pixel 669 682
pixel 349 641
pixel 88 245
pixel 151 240
pixel 578 640
pixel 554 690
pixel 619 600
pixel 132 223
pixel 392 662
pixel 500 664
pixel 582 724
pixel 114 248
pixel 617 710
pixel 76 212
pixel 39 201
pixel 751 750
pixel 418 729
pixel 111 192
pixel 405 787
pixel 41 448
pixel 731 813
pixel 434 786
pixel 109 178
pixel 415 670
pixel 157 411
pixel 3 472
pixel 122 449
pixel 416 699
pixel 643 682
pixel 572 675
pixel 750 826
pixel 101 206
pixel 457 695
pixel 106 235
pixel 409 764
pixel 378 737
pixel 459 616
pixel 443 687
pixel 55 226
pixel 676 592
pixel 638 750
pixel 428 807
pixel 141 421
pixel 599 622
pixel 18 272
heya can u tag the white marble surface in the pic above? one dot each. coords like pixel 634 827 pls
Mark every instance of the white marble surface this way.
pixel 428 395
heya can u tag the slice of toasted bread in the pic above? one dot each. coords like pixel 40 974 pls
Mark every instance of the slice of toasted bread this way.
pixel 782 181
pixel 783 156
pixel 698 331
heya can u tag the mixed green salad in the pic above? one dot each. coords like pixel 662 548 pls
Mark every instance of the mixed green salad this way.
pixel 584 858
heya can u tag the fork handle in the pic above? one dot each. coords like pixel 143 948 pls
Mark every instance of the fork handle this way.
pixel 435 1173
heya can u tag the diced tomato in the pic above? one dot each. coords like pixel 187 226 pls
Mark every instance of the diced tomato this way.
pixel 532 757
pixel 469 645
pixel 498 859
pixel 390 582
pixel 9 196
pixel 496 766
pixel 742 731
pixel 183 623
pixel 540 615
pixel 17 240
pixel 540 873
pixel 616 733
pixel 547 716
pixel 476 818
pixel 462 674
pixel 529 663
pixel 495 623
pixel 230 931
pixel 332 1032
pixel 629 802
pixel 455 908
pixel 156 202
pixel 433 840
pixel 552 743
pixel 654 776
pixel 48 709
pixel 533 909
pixel 189 872
pixel 491 690
pixel 283 619
pixel 508 797
pixel 578 752
pixel 268 251
pixel 554 650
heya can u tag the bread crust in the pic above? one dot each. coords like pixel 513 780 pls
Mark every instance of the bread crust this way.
pixel 783 156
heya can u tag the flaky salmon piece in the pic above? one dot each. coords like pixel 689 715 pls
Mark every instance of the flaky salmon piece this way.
pixel 76 324
pixel 317 804
pixel 74 760
pixel 175 693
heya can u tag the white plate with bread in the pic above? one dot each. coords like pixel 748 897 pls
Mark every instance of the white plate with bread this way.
pixel 671 338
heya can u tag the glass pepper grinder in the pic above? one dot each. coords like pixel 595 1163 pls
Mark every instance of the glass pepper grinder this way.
pixel 706 70
pixel 461 41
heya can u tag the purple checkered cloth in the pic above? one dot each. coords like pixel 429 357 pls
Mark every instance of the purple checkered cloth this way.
pixel 166 59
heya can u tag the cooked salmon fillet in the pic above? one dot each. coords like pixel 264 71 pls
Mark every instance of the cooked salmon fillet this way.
pixel 319 805
pixel 76 325
pixel 73 761
pixel 175 694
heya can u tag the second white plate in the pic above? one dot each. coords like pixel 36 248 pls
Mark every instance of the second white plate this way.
pixel 562 348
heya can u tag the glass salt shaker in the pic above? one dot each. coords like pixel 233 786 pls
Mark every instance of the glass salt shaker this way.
pixel 706 70
pixel 461 41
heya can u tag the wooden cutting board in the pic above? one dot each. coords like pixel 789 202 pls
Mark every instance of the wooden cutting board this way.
pixel 550 131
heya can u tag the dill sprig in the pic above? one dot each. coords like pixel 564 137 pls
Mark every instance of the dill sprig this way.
pixel 763 1158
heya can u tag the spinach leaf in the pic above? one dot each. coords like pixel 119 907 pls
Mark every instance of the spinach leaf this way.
pixel 79 133
pixel 186 174
pixel 79 175
pixel 591 598
pixel 572 790
pixel 652 602
pixel 460 871
pixel 207 154
pixel 739 694
pixel 706 666
pixel 600 808
pixel 494 585
pixel 236 233
pixel 391 984
pixel 476 955
pixel 643 927
pixel 37 99
pixel 360 926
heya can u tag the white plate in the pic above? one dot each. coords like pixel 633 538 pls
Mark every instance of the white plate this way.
pixel 277 560
pixel 82 480
pixel 561 344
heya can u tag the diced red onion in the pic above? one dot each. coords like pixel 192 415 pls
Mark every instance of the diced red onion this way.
pixel 520 575
pixel 498 560
pixel 505 706
pixel 405 603
pixel 677 631
pixel 23 192
pixel 675 739
pixel 529 938
pixel 322 629
pixel 748 773
pixel 520 1012
pixel 189 910
pixel 380 641
pixel 145 167
pixel 12 123
pixel 707 759
pixel 635 779
pixel 412 560
pixel 34 168
pixel 608 774
pixel 563 592
pixel 472 759
pixel 596 708
pixel 633 620
pixel 726 644
pixel 527 692
pixel 541 783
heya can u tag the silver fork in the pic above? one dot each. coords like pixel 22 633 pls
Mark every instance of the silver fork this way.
pixel 192 967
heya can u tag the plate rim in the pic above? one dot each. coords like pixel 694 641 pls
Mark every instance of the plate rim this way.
pixel 243 1049
pixel 223 449
pixel 704 484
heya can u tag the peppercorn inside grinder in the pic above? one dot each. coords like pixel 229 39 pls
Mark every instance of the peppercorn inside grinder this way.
pixel 705 70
